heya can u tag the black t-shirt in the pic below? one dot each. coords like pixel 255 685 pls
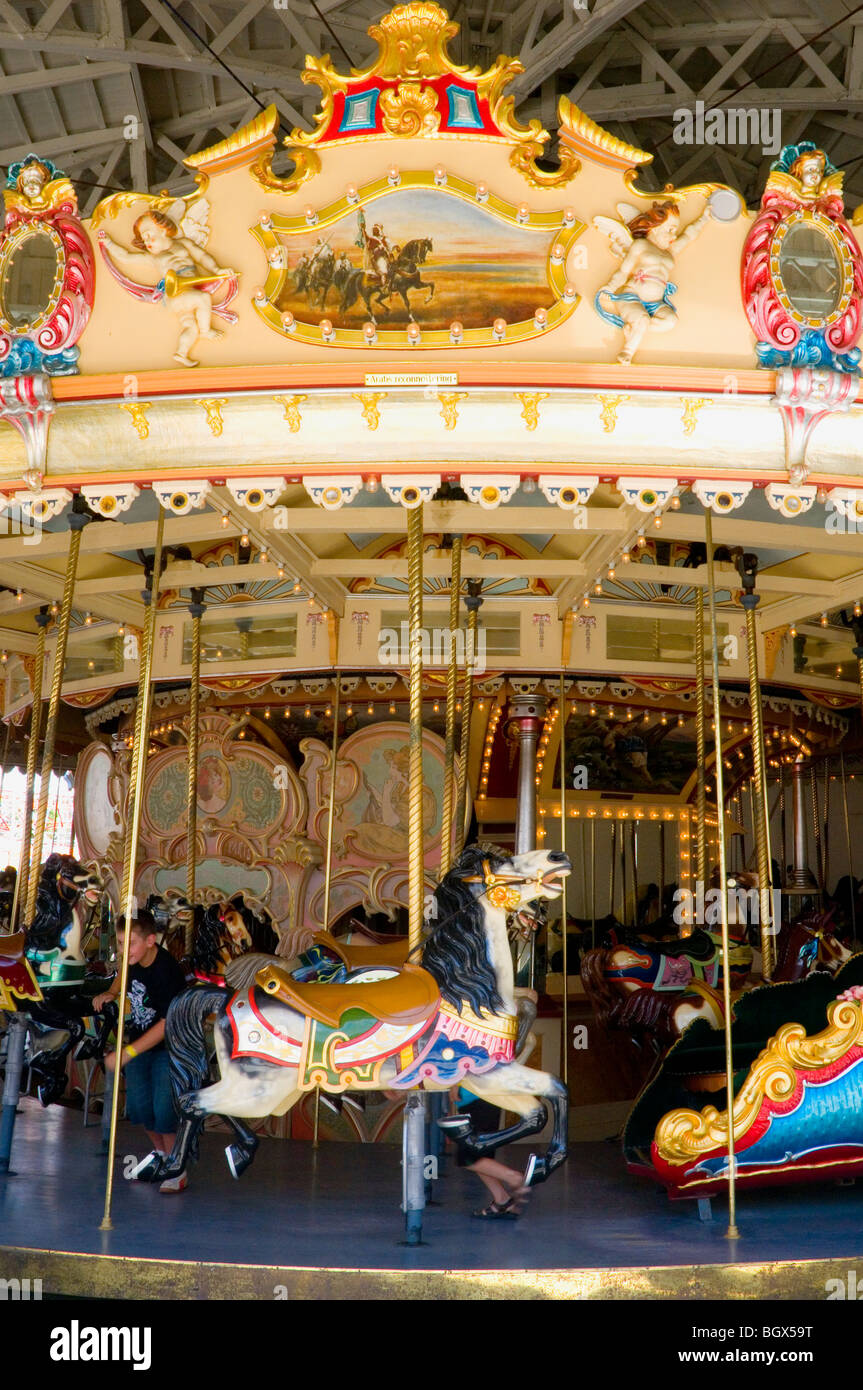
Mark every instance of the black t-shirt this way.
pixel 151 989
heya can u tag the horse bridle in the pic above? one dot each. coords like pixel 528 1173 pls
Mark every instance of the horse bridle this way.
pixel 497 888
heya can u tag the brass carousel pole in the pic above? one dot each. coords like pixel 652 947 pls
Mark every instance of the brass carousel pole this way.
pixel 700 747
pixel 747 565
pixel 562 717
pixel 848 845
pixel 77 522
pixel 134 803
pixel 197 609
pixel 43 618
pixel 473 603
pixel 328 863
pixel 415 1110
pixel 7 738
pixel 732 1233
pixel 451 695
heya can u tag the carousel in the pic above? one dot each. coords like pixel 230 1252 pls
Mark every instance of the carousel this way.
pixel 436 570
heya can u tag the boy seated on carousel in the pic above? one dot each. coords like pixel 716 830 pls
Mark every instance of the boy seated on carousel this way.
pixel 155 978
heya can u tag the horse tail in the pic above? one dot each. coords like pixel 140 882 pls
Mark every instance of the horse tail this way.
pixel 185 1036
pixel 596 986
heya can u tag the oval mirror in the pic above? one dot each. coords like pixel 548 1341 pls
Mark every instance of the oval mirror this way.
pixel 29 279
pixel 811 271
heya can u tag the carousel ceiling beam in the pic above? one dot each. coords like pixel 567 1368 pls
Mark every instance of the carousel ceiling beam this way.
pixel 558 48
pixel 15 641
pixel 108 536
pixel 284 548
pixel 760 535
pixel 843 592
pixel 40 78
pixel 157 55
pixel 440 567
pixel 818 589
pixel 48 584
pixel 459 517
pixel 602 552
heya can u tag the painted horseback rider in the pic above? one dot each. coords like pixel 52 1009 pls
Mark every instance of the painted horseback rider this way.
pixel 378 257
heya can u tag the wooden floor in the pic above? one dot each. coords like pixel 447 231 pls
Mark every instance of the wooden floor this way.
pixel 328 1224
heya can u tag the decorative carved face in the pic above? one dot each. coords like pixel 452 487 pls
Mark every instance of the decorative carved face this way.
pixel 810 170
pixel 156 239
pixel 31 181
pixel 665 233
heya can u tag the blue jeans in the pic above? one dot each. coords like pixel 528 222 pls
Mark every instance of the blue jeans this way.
pixel 149 1098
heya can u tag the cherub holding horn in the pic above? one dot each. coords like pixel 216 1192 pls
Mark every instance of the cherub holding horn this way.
pixel 641 289
pixel 173 242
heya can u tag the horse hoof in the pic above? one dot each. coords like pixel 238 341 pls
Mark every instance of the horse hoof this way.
pixel 456 1126
pixel 150 1169
pixel 238 1159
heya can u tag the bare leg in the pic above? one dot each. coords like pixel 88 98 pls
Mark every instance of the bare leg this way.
pixel 188 338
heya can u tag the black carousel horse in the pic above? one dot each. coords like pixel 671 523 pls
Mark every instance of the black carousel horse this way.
pixel 53 948
pixel 453 1020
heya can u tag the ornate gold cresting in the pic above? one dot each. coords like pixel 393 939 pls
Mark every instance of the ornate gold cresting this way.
pixel 683 1135
pixel 530 406
pixel 449 404
pixel 213 411
pixel 412 42
pixel 369 401
pixel 691 408
pixel 608 410
pixel 292 410
pixel 138 411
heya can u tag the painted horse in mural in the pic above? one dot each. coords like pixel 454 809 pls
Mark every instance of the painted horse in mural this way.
pixel 43 974
pixel 402 275
pixel 451 1020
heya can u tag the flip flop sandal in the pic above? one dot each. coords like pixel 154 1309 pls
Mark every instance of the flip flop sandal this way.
pixel 493 1212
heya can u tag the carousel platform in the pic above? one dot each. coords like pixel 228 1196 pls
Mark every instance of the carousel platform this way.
pixel 327 1224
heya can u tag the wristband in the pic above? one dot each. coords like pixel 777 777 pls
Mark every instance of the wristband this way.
pixel 130 1050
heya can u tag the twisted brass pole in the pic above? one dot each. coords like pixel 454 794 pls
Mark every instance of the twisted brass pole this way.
pixel 328 863
pixel 451 689
pixel 472 603
pixel 134 804
pixel 760 810
pixel 562 717
pixel 43 618
pixel 732 1231
pixel 415 764
pixel 816 826
pixel 700 747
pixel 77 522
pixel 197 609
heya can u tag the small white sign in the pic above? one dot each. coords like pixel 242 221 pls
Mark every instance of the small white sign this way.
pixel 411 378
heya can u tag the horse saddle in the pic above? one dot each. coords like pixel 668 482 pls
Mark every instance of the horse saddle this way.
pixel 411 996
pixel 12 948
pixel 698 946
pixel 393 953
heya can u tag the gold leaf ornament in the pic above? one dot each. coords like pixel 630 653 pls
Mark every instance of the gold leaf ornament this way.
pixel 410 109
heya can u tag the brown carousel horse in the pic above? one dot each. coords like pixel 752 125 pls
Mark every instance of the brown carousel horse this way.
pixel 805 945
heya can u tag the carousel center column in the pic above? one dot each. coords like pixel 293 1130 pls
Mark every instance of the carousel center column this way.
pixel 526 718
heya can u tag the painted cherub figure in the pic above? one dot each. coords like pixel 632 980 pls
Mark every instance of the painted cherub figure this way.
pixel 189 274
pixel 641 289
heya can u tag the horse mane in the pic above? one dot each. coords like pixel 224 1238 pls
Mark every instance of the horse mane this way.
pixel 456 951
pixel 53 915
pixel 211 935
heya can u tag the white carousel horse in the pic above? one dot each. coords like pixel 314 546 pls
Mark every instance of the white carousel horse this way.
pixel 453 1020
